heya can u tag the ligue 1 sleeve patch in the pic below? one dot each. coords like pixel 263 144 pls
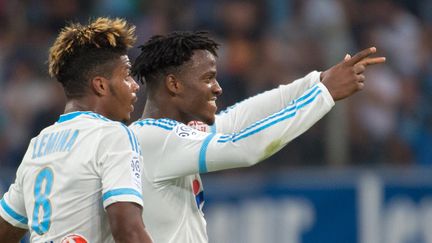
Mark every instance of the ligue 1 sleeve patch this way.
pixel 184 131
pixel 136 172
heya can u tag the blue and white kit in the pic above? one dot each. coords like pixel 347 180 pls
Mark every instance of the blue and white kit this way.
pixel 70 173
pixel 245 134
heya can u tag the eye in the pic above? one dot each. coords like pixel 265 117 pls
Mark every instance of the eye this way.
pixel 128 74
pixel 210 78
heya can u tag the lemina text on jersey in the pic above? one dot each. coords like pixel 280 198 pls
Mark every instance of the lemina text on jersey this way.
pixel 48 143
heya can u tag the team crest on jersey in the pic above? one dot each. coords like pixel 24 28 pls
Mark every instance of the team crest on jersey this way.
pixel 184 131
pixel 200 126
pixel 74 238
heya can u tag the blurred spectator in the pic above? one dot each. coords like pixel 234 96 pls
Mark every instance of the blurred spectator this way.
pixel 264 43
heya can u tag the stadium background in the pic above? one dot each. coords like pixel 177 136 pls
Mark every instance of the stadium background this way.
pixel 362 174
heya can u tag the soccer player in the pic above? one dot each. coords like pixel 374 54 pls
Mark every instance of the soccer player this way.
pixel 180 74
pixel 80 179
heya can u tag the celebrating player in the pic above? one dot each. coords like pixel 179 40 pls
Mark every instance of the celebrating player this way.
pixel 87 162
pixel 180 75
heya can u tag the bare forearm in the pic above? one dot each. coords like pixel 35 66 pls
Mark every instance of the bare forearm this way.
pixel 126 223
pixel 133 237
pixel 9 233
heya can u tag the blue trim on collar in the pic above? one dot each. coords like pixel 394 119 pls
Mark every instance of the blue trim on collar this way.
pixel 72 115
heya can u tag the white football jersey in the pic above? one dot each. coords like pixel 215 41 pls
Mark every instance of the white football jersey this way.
pixel 70 173
pixel 252 130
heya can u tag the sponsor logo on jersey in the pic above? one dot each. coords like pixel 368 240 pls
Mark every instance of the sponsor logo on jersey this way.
pixel 198 192
pixel 74 238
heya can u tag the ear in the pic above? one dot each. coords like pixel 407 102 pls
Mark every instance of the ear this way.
pixel 173 84
pixel 100 86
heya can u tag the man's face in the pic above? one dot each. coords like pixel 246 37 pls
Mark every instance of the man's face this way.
pixel 123 90
pixel 198 99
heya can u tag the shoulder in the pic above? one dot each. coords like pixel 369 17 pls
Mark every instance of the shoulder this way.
pixel 154 124
pixel 103 126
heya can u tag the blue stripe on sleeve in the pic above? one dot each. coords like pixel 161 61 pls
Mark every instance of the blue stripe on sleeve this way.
pixel 12 213
pixel 131 139
pixel 239 137
pixel 162 123
pixel 121 191
pixel 275 118
pixel 136 142
pixel 203 151
pixel 293 107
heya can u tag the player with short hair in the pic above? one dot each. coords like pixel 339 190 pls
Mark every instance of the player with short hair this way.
pixel 80 179
pixel 180 75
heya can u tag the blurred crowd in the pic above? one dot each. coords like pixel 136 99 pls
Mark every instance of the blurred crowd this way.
pixel 263 43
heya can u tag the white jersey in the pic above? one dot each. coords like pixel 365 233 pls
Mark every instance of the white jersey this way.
pixel 70 173
pixel 252 130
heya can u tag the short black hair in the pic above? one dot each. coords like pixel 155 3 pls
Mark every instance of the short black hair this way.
pixel 82 52
pixel 162 53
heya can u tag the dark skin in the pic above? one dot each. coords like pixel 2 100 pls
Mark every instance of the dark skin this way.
pixel 126 223
pixel 189 94
pixel 9 233
pixel 346 77
pixel 113 98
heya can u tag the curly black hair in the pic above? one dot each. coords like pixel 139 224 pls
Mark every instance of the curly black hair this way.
pixel 161 54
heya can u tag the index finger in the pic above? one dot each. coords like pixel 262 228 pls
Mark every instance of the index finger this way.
pixel 361 55
pixel 372 61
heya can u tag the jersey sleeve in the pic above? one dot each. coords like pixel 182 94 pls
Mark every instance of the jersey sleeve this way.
pixel 186 151
pixel 120 164
pixel 12 205
pixel 242 114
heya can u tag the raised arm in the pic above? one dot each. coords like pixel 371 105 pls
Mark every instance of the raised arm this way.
pixel 257 107
pixel 342 80
pixel 175 150
pixel 179 150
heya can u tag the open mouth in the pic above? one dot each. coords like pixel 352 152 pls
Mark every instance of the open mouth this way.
pixel 213 101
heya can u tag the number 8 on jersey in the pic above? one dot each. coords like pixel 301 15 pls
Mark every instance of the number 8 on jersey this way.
pixel 42 218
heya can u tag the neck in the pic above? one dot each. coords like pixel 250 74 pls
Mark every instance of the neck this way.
pixel 152 110
pixel 82 104
pixel 160 106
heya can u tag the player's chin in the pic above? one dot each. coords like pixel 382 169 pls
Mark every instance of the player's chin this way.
pixel 126 117
pixel 209 120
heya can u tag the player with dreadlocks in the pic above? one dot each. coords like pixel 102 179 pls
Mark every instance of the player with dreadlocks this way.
pixel 87 162
pixel 179 70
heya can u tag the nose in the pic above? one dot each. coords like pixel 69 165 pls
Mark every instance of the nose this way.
pixel 135 86
pixel 217 89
